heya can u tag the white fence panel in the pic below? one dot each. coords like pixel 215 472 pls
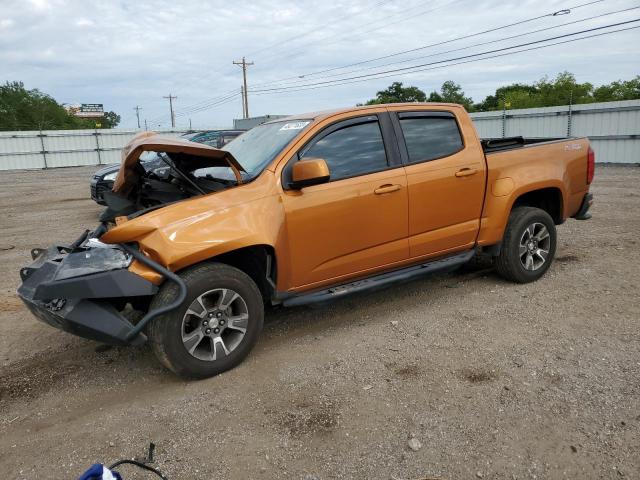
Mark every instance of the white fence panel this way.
pixel 65 148
pixel 613 128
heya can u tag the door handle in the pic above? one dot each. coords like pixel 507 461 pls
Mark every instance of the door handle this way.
pixel 465 172
pixel 388 188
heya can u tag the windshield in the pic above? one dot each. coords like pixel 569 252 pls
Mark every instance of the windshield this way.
pixel 255 149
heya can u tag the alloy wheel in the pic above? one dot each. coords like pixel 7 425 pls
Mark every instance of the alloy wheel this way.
pixel 534 247
pixel 214 324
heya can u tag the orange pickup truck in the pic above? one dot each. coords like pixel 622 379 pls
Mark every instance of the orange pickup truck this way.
pixel 299 210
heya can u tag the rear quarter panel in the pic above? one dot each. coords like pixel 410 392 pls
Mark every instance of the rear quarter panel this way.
pixel 558 164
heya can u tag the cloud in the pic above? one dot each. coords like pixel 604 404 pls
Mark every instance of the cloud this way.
pixel 84 22
pixel 124 53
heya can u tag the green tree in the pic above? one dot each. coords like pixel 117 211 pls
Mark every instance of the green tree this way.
pixel 396 93
pixel 543 93
pixel 561 90
pixel 520 93
pixel 451 92
pixel 22 109
pixel 110 120
pixel 618 90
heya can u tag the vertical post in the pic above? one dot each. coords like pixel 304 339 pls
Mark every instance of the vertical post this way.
pixel 98 147
pixel 244 113
pixel 504 116
pixel 137 109
pixel 44 152
pixel 189 124
pixel 244 64
pixel 569 113
pixel 173 117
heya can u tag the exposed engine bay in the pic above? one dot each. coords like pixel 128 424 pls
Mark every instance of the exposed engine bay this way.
pixel 187 170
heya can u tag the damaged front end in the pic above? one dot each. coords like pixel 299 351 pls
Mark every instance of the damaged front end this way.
pixel 83 289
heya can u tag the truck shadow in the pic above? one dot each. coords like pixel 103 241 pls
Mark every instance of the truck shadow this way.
pixel 90 365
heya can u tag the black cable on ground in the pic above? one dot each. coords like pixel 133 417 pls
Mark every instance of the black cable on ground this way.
pixel 138 464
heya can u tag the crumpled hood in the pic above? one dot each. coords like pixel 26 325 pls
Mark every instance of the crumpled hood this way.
pixel 152 142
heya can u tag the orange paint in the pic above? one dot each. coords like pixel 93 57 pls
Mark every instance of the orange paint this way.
pixel 327 233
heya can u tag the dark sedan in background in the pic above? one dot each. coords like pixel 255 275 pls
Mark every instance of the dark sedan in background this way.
pixel 103 179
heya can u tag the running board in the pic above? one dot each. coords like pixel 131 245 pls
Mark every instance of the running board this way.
pixel 381 280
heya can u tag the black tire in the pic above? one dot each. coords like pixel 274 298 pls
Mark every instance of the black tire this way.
pixel 165 332
pixel 508 263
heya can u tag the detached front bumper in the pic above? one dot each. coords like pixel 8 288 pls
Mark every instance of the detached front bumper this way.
pixel 73 289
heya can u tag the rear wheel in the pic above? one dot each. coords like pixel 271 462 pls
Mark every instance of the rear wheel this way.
pixel 216 326
pixel 528 246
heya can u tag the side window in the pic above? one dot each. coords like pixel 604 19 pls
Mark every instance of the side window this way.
pixel 350 151
pixel 428 138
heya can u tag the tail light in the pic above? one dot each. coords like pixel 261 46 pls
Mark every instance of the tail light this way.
pixel 591 165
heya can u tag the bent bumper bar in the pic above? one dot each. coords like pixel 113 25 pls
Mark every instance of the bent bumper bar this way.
pixel 66 295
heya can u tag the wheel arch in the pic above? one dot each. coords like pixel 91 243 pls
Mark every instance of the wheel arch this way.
pixel 549 199
pixel 547 196
pixel 257 261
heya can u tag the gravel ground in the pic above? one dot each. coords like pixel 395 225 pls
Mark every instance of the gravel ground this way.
pixel 461 376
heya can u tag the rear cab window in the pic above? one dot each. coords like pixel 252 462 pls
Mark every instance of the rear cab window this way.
pixel 430 135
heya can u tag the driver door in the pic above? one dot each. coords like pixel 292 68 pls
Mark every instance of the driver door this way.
pixel 357 222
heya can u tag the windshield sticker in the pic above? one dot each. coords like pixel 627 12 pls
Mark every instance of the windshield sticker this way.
pixel 294 125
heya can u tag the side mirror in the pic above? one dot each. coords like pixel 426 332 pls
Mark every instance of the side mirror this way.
pixel 307 172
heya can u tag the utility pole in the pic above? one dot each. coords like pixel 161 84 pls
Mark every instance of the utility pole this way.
pixel 244 65
pixel 189 124
pixel 173 117
pixel 145 124
pixel 137 109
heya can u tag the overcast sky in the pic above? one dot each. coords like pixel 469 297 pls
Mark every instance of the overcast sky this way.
pixel 128 53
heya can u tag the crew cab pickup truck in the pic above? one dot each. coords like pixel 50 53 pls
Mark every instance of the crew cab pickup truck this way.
pixel 299 210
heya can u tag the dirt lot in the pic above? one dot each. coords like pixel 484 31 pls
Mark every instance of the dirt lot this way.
pixel 495 380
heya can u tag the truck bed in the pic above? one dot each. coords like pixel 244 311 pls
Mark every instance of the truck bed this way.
pixel 490 145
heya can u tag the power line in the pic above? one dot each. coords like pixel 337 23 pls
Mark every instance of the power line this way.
pixel 297 36
pixel 456 63
pixel 214 99
pixel 189 109
pixel 199 106
pixel 473 45
pixel 341 19
pixel 210 104
pixel 406 69
pixel 358 31
pixel 423 47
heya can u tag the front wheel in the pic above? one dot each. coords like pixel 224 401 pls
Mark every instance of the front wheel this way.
pixel 216 326
pixel 528 246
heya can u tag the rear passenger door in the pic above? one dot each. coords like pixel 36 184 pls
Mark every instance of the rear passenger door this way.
pixel 358 220
pixel 446 179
